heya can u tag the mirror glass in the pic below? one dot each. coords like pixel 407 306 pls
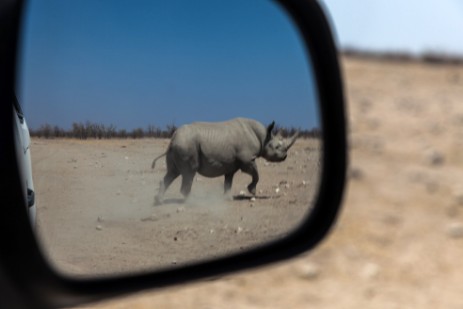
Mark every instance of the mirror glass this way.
pixel 108 86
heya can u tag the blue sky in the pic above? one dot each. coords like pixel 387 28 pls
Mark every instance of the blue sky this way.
pixel 136 63
pixel 414 26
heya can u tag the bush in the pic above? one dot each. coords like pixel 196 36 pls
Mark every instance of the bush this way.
pixel 92 130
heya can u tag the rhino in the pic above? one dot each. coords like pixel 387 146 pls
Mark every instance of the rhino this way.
pixel 215 149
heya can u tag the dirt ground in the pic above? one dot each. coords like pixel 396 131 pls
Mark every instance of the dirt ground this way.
pixel 96 212
pixel 398 242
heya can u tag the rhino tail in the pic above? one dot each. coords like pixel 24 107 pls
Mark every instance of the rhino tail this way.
pixel 154 161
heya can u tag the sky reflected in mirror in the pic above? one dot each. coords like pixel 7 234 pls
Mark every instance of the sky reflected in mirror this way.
pixel 105 84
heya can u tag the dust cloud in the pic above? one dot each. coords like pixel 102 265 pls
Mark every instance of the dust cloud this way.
pixel 96 213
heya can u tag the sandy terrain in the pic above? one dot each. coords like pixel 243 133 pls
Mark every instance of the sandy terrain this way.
pixel 96 212
pixel 399 240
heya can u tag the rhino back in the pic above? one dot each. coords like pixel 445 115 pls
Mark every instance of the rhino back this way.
pixel 220 147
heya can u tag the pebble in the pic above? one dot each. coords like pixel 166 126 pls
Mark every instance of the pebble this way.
pixel 434 158
pixel 99 228
pixel 309 271
pixel 150 218
pixel 253 199
pixel 100 219
pixel 370 271
pixel 180 209
pixel 458 195
pixel 242 193
pixel 355 173
pixel 455 230
pixel 277 190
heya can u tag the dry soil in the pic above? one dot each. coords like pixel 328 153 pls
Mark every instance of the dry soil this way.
pixel 398 242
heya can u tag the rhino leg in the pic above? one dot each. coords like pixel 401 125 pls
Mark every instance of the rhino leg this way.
pixel 251 169
pixel 228 183
pixel 164 185
pixel 187 182
pixel 171 175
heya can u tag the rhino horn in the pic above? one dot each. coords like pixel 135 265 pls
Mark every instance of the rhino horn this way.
pixel 291 140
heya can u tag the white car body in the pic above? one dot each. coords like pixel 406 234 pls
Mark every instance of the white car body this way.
pixel 23 150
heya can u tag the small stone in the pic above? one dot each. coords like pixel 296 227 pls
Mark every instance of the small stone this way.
pixel 126 158
pixel 309 271
pixel 100 219
pixel 242 193
pixel 459 199
pixel 211 231
pixel 434 158
pixel 452 211
pixel 277 190
pixel 355 173
pixel 458 195
pixel 455 230
pixel 253 199
pixel 99 228
pixel 180 209
pixel 150 218
pixel 370 271
pixel 239 230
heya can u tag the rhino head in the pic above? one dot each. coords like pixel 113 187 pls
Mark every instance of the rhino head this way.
pixel 275 146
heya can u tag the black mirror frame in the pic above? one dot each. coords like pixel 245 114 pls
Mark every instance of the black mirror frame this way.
pixel 27 279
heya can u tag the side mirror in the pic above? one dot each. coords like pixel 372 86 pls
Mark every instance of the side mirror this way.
pixel 26 273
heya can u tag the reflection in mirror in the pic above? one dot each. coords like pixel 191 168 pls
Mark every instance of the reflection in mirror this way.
pixel 108 87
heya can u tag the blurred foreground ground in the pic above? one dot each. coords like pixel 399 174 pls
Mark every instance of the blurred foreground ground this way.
pixel 399 240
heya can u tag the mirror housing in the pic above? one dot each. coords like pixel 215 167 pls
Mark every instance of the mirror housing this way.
pixel 29 279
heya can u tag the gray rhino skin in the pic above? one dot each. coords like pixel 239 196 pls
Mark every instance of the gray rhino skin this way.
pixel 220 148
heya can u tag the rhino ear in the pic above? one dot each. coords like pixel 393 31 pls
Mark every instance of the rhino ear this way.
pixel 269 135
